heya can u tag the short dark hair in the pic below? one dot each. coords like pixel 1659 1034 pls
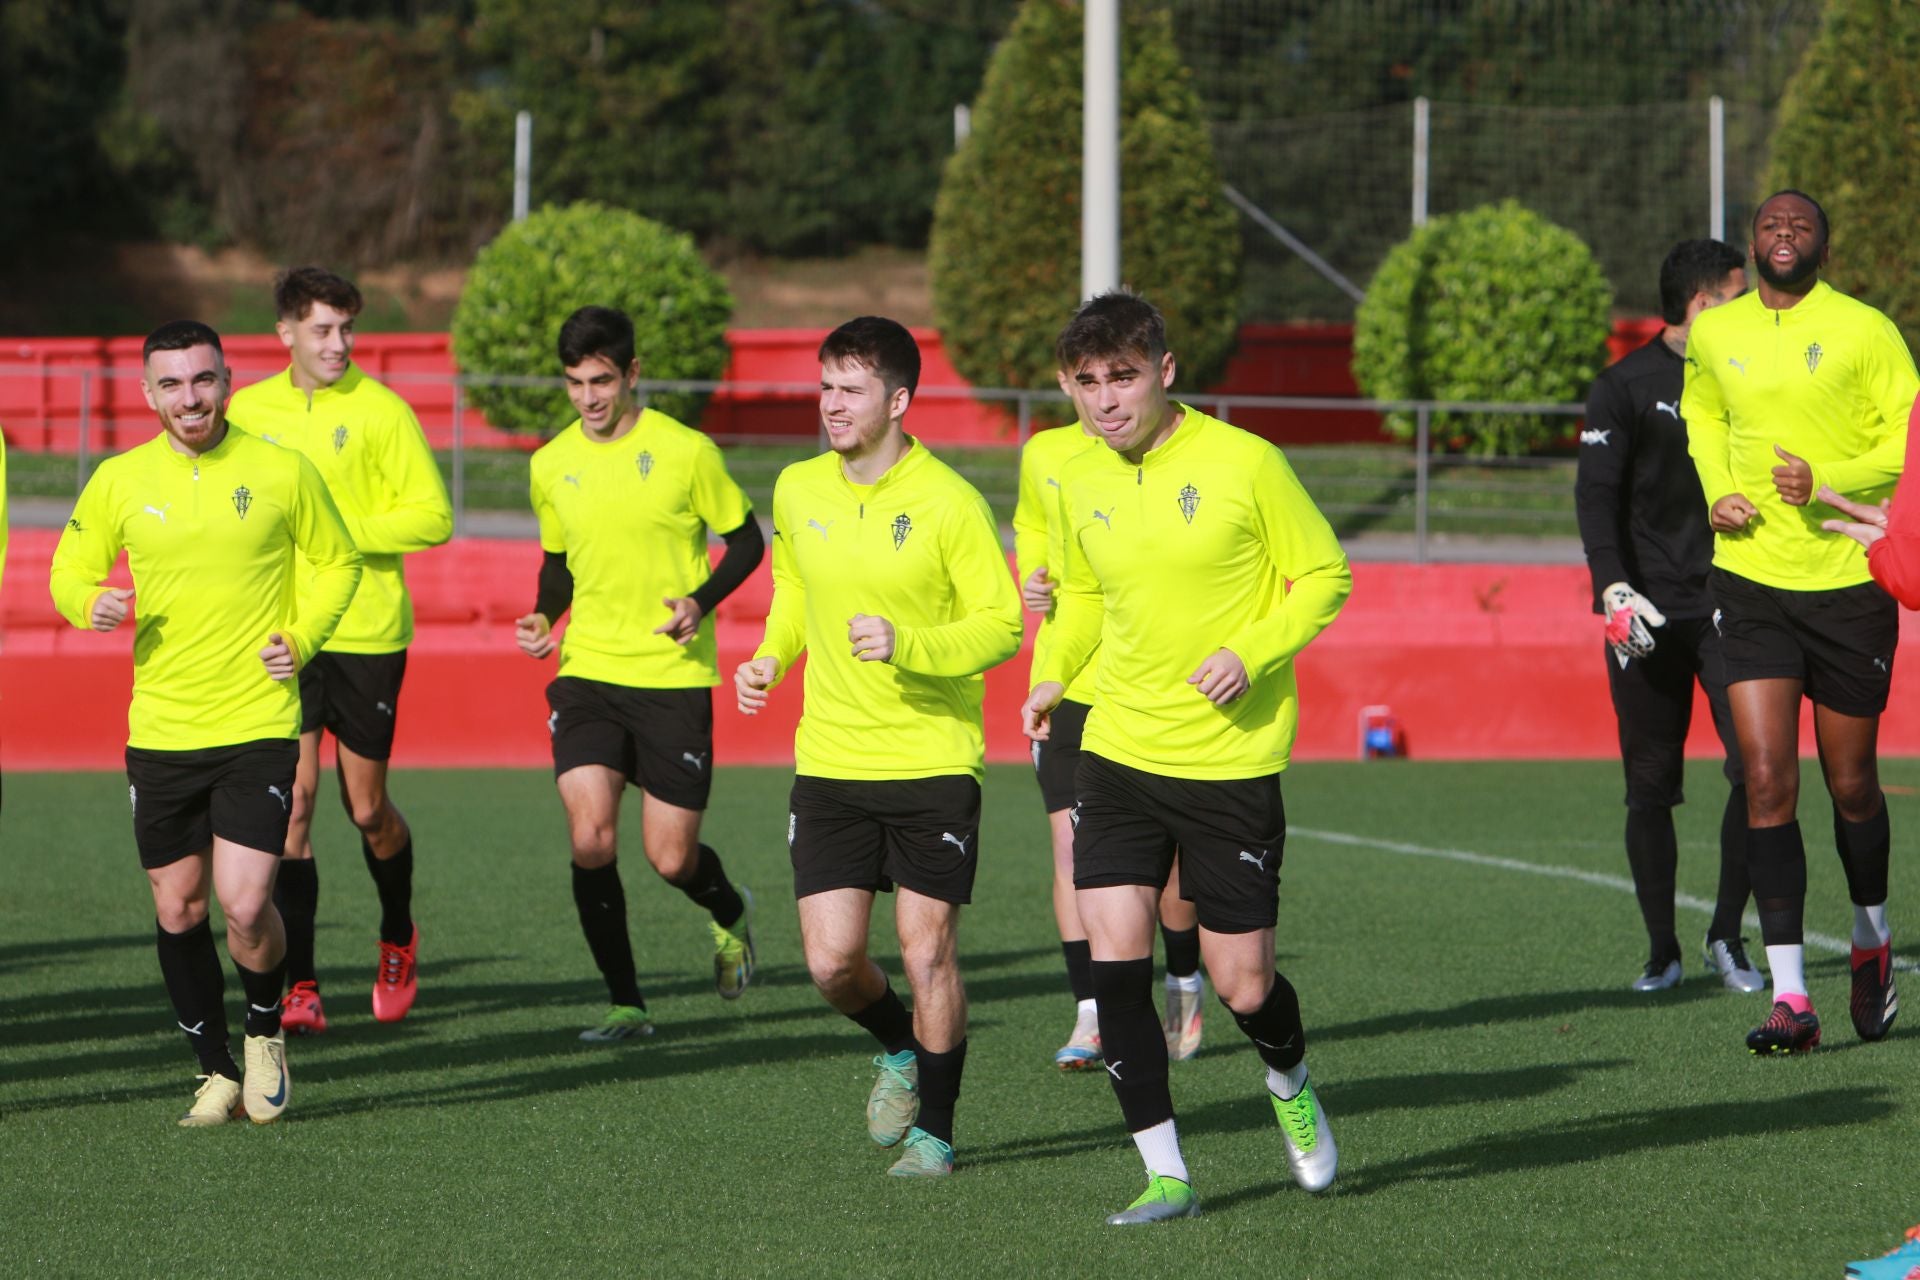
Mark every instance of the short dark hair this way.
pixel 298 288
pixel 879 344
pixel 178 335
pixel 1110 325
pixel 1820 215
pixel 597 331
pixel 1693 266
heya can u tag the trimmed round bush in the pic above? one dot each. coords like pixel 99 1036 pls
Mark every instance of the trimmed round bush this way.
pixel 537 272
pixel 1005 251
pixel 1845 136
pixel 1494 304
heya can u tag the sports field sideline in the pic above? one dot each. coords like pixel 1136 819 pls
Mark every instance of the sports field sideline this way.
pixel 1462 936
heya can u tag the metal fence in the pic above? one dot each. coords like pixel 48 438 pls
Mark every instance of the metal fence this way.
pixel 1390 499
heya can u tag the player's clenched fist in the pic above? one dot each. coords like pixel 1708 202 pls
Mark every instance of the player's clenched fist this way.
pixel 1036 714
pixel 1036 593
pixel 871 638
pixel 751 680
pixel 534 635
pixel 1731 513
pixel 1221 678
pixel 279 657
pixel 110 608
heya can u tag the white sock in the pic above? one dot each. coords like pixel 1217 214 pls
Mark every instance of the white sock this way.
pixel 1189 984
pixel 1286 1085
pixel 1160 1148
pixel 1785 963
pixel 1870 927
pixel 1087 1008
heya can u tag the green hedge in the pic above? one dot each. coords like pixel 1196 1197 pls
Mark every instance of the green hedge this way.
pixel 1846 136
pixel 1005 254
pixel 536 273
pixel 1494 304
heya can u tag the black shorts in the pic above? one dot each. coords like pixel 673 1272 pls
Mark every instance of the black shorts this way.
pixel 1056 759
pixel 1839 644
pixel 355 696
pixel 183 799
pixel 1653 701
pixel 1230 835
pixel 922 834
pixel 661 740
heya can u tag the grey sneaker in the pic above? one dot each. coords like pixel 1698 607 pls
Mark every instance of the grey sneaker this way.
pixel 1728 958
pixel 923 1156
pixel 894 1104
pixel 1164 1200
pixel 1658 977
pixel 1311 1154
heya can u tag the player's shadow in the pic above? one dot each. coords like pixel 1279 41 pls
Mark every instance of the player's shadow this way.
pixel 28 955
pixel 1521 1007
pixel 1602 1137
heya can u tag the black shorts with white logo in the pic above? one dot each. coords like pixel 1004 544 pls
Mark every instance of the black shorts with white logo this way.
pixel 1229 833
pixel 922 834
pixel 355 696
pixel 661 740
pixel 1839 644
pixel 1653 701
pixel 183 799
pixel 1056 759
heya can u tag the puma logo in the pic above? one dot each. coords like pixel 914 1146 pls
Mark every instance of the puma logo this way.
pixel 572 480
pixel 1741 365
pixel 1104 519
pixel 821 529
pixel 1672 410
pixel 160 512
pixel 694 761
pixel 958 842
pixel 1260 862
pixel 286 804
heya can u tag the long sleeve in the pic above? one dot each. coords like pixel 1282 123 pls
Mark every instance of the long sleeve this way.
pixel 1704 409
pixel 1303 547
pixel 1030 517
pixel 1889 382
pixel 746 548
pixel 988 631
pixel 1895 559
pixel 786 633
pixel 85 554
pixel 421 515
pixel 320 535
pixel 1606 458
pixel 1079 610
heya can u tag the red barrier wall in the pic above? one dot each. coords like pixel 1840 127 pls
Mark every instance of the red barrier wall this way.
pixel 41 392
pixel 1476 661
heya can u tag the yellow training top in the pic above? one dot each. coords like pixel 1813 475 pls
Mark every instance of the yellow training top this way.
pixel 1037 536
pixel 212 542
pixel 1829 380
pixel 920 549
pixel 369 449
pixel 632 517
pixel 1167 562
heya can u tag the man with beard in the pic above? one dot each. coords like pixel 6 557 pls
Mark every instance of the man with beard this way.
pixel 1793 388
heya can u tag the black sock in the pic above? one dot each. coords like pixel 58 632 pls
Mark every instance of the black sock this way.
pixel 1730 903
pixel 602 904
pixel 1183 950
pixel 887 1021
pixel 1275 1026
pixel 393 878
pixel 296 891
pixel 1134 1045
pixel 1079 957
pixel 1864 852
pixel 1777 865
pixel 190 967
pixel 939 1089
pixel 710 890
pixel 263 988
pixel 1652 853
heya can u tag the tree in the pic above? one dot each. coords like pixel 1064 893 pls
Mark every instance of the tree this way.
pixel 536 273
pixel 1494 304
pixel 1005 257
pixel 1846 136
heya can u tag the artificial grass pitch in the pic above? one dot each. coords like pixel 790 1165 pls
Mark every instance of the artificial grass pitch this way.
pixel 1503 1104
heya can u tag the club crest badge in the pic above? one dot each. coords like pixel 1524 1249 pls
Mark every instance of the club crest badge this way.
pixel 242 499
pixel 645 463
pixel 1813 356
pixel 339 438
pixel 1189 502
pixel 902 526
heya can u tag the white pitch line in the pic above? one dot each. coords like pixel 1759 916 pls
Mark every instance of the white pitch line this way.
pixel 1822 941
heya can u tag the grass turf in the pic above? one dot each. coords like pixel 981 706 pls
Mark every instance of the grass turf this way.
pixel 1504 1105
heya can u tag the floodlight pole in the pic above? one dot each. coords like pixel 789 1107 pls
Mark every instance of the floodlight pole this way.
pixel 1100 150
pixel 522 163
pixel 1716 168
pixel 1420 155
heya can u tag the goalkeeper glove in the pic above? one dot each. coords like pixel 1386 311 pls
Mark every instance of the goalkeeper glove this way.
pixel 1628 615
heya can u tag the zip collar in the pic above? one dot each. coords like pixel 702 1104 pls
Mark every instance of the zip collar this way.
pixel 225 449
pixel 897 474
